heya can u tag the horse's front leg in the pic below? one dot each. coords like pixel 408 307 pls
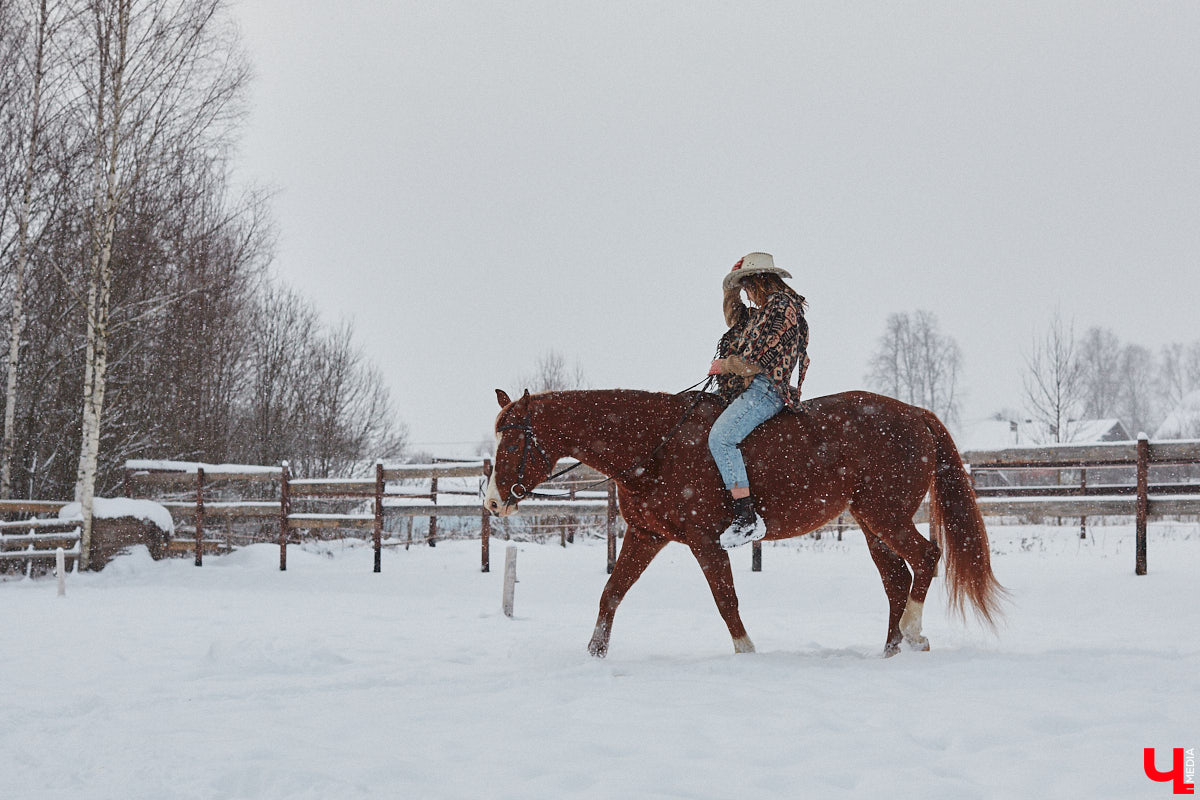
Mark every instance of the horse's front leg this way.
pixel 637 551
pixel 714 561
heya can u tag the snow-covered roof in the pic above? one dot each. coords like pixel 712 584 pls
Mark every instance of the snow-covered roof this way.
pixel 997 434
pixel 1184 421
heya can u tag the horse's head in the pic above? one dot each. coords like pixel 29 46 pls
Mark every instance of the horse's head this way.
pixel 521 462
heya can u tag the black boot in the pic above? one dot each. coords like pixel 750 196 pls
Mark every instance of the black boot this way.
pixel 746 526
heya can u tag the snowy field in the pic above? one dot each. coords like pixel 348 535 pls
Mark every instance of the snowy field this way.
pixel 161 680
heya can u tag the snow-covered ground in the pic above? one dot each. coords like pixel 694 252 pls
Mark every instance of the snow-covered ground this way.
pixel 161 680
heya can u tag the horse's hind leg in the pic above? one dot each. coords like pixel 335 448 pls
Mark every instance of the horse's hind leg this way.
pixel 922 555
pixel 897 581
pixel 639 549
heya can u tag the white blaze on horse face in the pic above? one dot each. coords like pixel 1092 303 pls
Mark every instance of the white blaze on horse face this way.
pixel 491 498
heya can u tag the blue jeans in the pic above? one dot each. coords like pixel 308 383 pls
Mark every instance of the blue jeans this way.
pixel 750 409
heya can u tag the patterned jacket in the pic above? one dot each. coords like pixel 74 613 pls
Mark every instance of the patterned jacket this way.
pixel 773 339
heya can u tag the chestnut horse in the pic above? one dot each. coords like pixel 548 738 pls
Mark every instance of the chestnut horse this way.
pixel 872 454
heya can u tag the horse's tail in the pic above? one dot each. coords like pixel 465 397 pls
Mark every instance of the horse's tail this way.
pixel 956 524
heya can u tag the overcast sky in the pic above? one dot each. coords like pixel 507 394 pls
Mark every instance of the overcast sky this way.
pixel 475 183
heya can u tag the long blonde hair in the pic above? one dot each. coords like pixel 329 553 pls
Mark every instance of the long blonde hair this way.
pixel 762 285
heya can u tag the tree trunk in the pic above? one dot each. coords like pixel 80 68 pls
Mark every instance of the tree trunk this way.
pixel 94 383
pixel 104 222
pixel 17 317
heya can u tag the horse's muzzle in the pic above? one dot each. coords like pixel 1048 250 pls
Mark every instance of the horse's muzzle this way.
pixel 500 509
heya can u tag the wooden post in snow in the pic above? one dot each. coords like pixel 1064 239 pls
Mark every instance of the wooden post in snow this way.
pixel 611 524
pixel 756 557
pixel 199 516
pixel 378 516
pixel 285 508
pixel 1083 491
pixel 485 526
pixel 1143 501
pixel 433 519
pixel 510 579
pixel 60 569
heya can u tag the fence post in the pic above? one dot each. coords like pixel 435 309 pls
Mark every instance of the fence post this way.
pixel 574 519
pixel 378 515
pixel 756 557
pixel 485 526
pixel 510 579
pixel 433 519
pixel 285 508
pixel 611 525
pixel 1143 501
pixel 1083 491
pixel 200 516
pixel 60 570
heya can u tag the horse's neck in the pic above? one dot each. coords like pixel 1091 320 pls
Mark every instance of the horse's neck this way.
pixel 609 430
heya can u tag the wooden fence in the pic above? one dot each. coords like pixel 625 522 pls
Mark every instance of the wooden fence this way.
pixel 1084 494
pixel 1138 498
pixel 1079 497
pixel 29 541
pixel 381 493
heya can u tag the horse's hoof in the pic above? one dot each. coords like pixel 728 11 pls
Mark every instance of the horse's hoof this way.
pixel 918 643
pixel 743 645
pixel 598 649
pixel 890 649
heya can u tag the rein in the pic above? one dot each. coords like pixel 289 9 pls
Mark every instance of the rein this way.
pixel 518 491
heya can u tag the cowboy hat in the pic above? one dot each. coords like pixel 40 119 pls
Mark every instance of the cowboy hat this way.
pixel 752 264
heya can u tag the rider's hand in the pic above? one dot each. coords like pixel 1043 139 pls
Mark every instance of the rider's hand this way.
pixel 717 367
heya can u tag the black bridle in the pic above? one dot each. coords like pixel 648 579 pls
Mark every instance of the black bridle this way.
pixel 529 441
pixel 518 492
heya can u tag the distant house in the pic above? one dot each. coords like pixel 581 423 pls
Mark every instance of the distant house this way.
pixel 997 434
pixel 1184 421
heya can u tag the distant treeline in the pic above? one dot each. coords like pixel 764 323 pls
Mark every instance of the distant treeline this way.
pixel 1066 378
pixel 135 279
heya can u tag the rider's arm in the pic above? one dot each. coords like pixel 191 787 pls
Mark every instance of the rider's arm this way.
pixel 740 366
pixel 735 311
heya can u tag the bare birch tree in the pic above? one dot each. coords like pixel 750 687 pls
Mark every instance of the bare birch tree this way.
pixel 41 102
pixel 915 362
pixel 159 74
pixel 1053 380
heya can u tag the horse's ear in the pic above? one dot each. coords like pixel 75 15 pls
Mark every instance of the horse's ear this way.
pixel 502 398
pixel 526 395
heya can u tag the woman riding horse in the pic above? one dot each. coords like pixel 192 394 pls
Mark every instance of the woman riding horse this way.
pixel 754 365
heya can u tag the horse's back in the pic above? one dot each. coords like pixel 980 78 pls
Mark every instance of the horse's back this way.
pixel 839 449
